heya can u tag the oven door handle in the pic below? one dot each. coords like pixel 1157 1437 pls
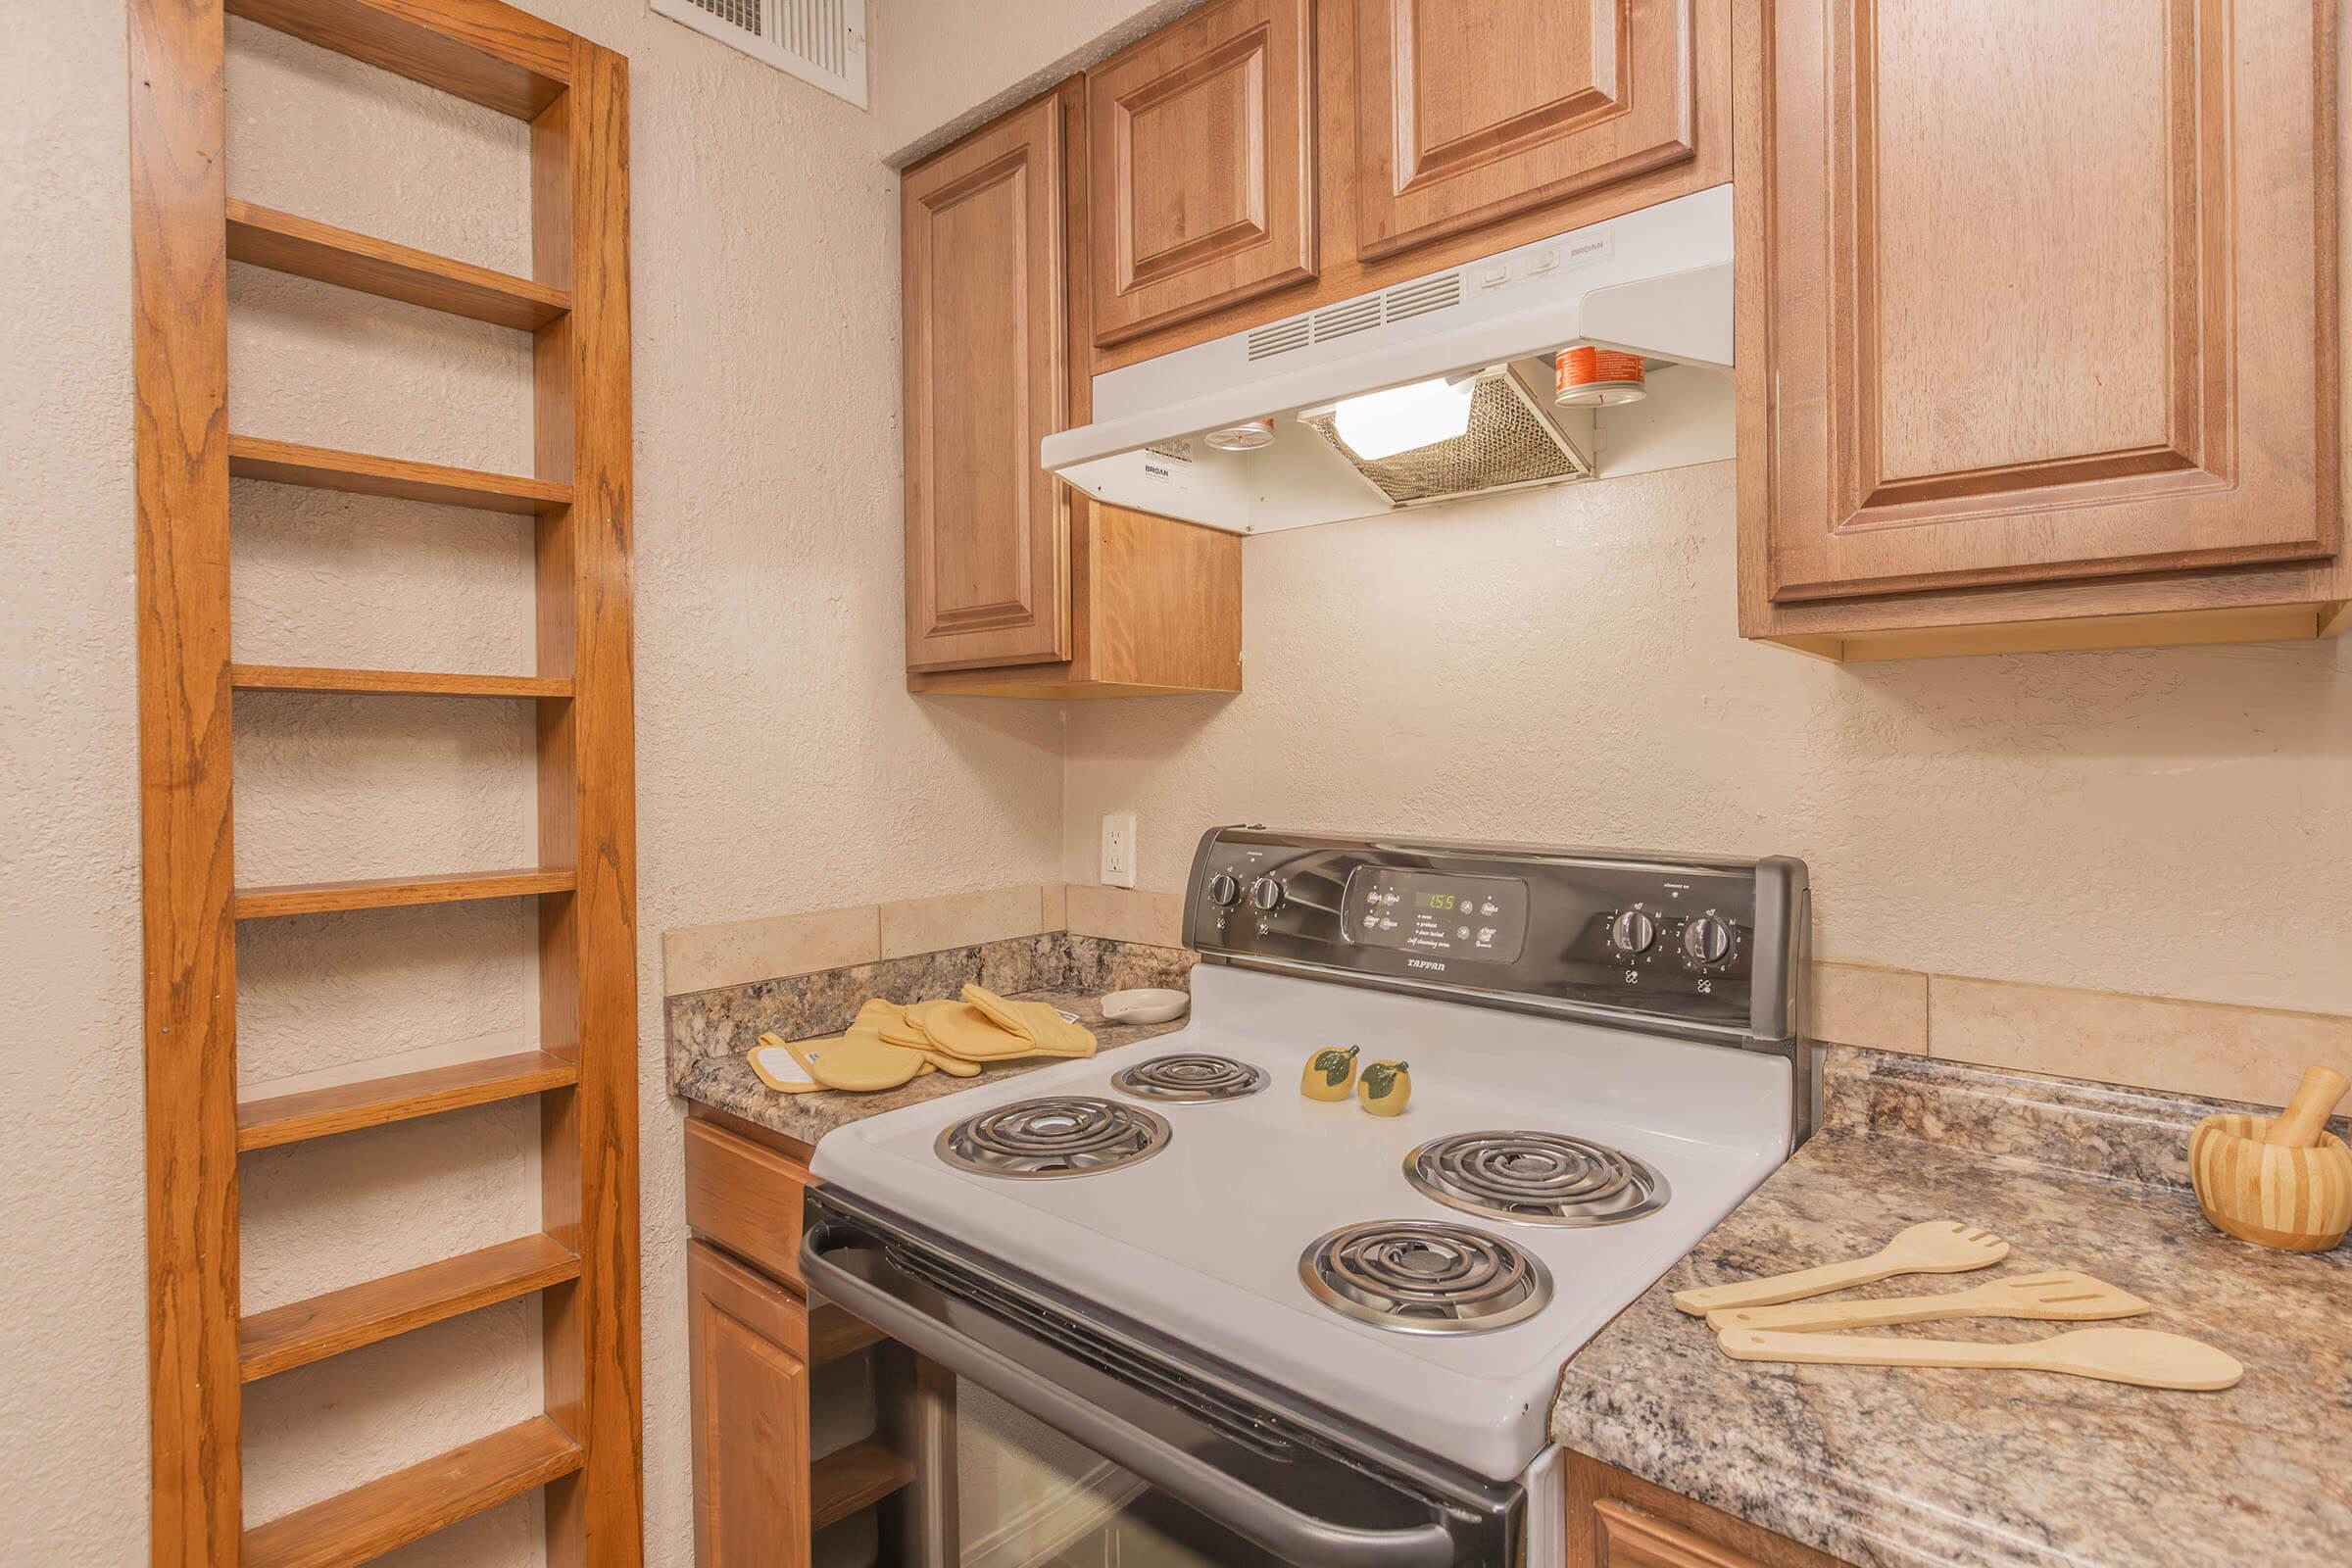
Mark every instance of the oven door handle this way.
pixel 1295 1537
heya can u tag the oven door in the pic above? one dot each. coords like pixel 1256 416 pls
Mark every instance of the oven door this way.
pixel 1084 1441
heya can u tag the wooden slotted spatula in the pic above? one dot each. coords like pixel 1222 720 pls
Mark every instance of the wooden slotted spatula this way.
pixel 1932 1247
pixel 2063 1297
pixel 2146 1357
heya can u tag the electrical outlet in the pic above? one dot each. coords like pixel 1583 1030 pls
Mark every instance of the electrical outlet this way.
pixel 1118 849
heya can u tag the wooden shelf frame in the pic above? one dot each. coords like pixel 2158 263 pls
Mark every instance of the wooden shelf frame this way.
pixel 585 1449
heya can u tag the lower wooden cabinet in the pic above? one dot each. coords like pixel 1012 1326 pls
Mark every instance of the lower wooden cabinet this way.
pixel 1616 1520
pixel 755 1343
pixel 748 1349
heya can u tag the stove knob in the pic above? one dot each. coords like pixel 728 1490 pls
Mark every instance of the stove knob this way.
pixel 1707 940
pixel 1633 931
pixel 1266 894
pixel 1224 889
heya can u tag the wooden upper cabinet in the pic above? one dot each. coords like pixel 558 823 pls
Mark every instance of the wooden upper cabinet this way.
pixel 1469 112
pixel 987 345
pixel 2039 292
pixel 1202 166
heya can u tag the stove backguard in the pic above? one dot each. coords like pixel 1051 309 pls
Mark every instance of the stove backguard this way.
pixel 1693 947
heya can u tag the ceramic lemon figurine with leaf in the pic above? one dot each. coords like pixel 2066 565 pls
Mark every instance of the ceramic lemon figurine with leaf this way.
pixel 1385 1089
pixel 1330 1073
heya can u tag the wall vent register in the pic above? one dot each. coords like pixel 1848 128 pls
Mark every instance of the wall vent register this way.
pixel 822 42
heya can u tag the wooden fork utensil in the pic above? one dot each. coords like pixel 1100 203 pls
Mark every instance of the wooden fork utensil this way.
pixel 1932 1247
pixel 2145 1357
pixel 2060 1297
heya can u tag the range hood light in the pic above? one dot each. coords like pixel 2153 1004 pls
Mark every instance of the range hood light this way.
pixel 1246 436
pixel 1381 424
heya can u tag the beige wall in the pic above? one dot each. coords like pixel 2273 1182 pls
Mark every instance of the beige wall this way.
pixel 780 762
pixel 1562 666
pixel 940 66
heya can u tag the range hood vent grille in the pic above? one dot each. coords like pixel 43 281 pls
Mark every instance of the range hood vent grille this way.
pixel 1360 315
pixel 1509 443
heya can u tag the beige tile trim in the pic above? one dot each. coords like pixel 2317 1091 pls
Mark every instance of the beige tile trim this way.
pixel 2194 1047
pixel 962 920
pixel 1863 1004
pixel 1125 914
pixel 703 958
pixel 2174 1046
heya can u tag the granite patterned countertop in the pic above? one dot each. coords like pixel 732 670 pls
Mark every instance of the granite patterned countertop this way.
pixel 729 1083
pixel 1952 1469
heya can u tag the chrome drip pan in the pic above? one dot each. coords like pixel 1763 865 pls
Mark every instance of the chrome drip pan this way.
pixel 1074 1135
pixel 1425 1277
pixel 1536 1178
pixel 1191 1076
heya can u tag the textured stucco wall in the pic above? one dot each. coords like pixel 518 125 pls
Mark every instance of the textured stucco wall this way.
pixel 781 764
pixel 941 65
pixel 1562 667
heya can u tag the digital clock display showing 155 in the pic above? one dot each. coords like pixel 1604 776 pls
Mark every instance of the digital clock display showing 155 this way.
pixel 1434 901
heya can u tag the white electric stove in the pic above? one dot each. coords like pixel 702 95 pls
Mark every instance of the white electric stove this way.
pixel 1214 1321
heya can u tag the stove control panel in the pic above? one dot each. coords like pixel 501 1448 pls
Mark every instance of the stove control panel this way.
pixel 1693 945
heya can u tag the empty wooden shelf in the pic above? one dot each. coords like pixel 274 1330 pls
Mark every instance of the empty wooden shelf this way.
pixel 366 1522
pixel 396 892
pixel 291 1118
pixel 286 243
pixel 359 474
pixel 307 1331
pixel 391 682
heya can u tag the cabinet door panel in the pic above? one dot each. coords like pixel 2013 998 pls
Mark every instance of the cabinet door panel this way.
pixel 1469 112
pixel 1203 166
pixel 987 356
pixel 748 1339
pixel 2048 290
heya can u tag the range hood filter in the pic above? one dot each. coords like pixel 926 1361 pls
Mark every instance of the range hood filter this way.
pixel 1510 442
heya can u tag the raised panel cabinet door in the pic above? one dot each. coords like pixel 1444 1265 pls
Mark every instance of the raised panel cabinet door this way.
pixel 1629 1538
pixel 2048 290
pixel 1201 151
pixel 747 1356
pixel 987 345
pixel 1467 113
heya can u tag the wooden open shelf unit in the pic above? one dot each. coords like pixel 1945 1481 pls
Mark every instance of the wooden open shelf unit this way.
pixel 584 1450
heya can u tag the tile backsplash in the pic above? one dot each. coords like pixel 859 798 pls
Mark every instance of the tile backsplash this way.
pixel 2173 1046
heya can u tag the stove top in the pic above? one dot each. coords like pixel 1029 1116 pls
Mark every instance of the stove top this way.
pixel 1425 1274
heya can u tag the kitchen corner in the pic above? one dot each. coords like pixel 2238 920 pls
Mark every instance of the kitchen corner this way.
pixel 1887 1468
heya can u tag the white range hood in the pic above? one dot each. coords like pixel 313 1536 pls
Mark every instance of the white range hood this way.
pixel 1655 282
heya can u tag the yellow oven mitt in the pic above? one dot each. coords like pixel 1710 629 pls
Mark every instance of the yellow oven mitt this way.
pixel 1048 1032
pixel 858 1058
pixel 776 1067
pixel 960 1030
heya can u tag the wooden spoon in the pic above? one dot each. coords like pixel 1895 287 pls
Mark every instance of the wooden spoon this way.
pixel 1932 1247
pixel 2063 1297
pixel 2142 1356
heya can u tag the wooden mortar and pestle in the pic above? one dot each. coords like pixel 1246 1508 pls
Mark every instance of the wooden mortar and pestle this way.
pixel 2281 1181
